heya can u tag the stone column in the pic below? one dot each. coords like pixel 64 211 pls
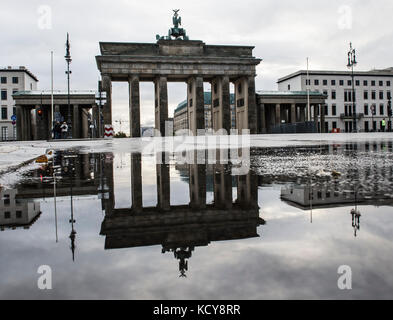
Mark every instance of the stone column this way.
pixel 252 106
pixel 76 122
pixel 107 108
pixel 134 105
pixel 163 184
pixel 136 182
pixel 28 123
pixel 323 107
pixel 221 104
pixel 94 114
pixel 19 122
pixel 85 123
pixel 302 114
pixel 316 117
pixel 293 113
pixel 278 114
pixel 196 104
pixel 263 119
pixel 161 104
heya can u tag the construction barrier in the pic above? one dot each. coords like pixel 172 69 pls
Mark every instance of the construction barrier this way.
pixel 108 131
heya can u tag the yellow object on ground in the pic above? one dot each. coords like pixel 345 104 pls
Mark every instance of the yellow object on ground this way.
pixel 42 159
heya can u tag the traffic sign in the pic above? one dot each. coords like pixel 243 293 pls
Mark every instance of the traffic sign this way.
pixel 13 122
pixel 13 117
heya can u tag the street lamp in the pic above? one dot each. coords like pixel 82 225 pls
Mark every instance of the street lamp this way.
pixel 351 64
pixel 68 72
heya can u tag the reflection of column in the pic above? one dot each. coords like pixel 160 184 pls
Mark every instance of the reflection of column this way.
pixel 163 184
pixel 220 104
pixel 222 186
pixel 134 105
pixel 196 104
pixel 161 104
pixel 278 114
pixel 293 113
pixel 197 184
pixel 107 109
pixel 247 190
pixel 76 122
pixel 109 202
pixel 136 182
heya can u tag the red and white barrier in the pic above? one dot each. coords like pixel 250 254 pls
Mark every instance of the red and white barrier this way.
pixel 108 131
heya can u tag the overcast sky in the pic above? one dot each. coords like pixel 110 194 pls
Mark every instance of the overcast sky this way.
pixel 283 32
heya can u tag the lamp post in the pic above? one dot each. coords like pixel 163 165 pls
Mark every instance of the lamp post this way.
pixel 351 64
pixel 68 72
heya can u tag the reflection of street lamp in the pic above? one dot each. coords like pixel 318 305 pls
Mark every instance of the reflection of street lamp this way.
pixel 352 63
pixel 355 220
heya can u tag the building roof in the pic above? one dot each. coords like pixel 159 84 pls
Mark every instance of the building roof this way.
pixel 381 72
pixel 19 69
pixel 55 92
pixel 287 93
pixel 207 99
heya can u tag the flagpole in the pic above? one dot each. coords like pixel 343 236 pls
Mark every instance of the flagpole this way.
pixel 308 95
pixel 52 111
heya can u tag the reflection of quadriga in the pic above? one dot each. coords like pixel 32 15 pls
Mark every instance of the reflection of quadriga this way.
pixel 182 228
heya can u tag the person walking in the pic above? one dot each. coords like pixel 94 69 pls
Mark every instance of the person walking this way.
pixel 57 130
pixel 64 130
pixel 383 125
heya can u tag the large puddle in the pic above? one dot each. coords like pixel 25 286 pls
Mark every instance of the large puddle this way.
pixel 125 226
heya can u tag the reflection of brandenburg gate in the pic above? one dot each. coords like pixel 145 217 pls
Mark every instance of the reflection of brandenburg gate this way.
pixel 192 62
pixel 183 226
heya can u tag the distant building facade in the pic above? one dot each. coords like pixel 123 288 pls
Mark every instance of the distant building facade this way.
pixel 372 89
pixel 12 80
pixel 180 119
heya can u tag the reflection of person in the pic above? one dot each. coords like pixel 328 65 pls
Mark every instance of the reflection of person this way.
pixel 383 125
pixel 64 130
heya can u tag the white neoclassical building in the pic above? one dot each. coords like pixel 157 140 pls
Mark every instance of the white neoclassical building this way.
pixel 12 80
pixel 372 89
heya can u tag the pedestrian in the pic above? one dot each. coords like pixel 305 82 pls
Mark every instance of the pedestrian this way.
pixel 64 130
pixel 57 130
pixel 383 125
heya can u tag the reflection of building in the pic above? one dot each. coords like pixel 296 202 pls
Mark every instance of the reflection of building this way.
pixel 371 90
pixel 179 229
pixel 12 81
pixel 180 116
pixel 16 213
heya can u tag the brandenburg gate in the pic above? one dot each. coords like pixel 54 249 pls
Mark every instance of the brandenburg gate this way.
pixel 182 60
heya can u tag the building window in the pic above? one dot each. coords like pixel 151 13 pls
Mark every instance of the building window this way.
pixel 15 80
pixel 4 133
pixel 333 82
pixel 334 125
pixel 289 87
pixel 341 82
pixel 3 80
pixel 4 115
pixel 325 82
pixel 316 82
pixel 349 82
pixel 18 214
pixel 373 83
pixel 334 110
pixel 381 83
pixel 326 110
pixel 308 82
pixel 365 95
pixel 373 95
pixel 366 109
pixel 7 215
pixel 380 95
pixel 325 92
pixel 388 83
pixel 3 94
pixel 381 109
pixel 365 83
pixel 333 95
pixel 357 82
pixel 366 126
